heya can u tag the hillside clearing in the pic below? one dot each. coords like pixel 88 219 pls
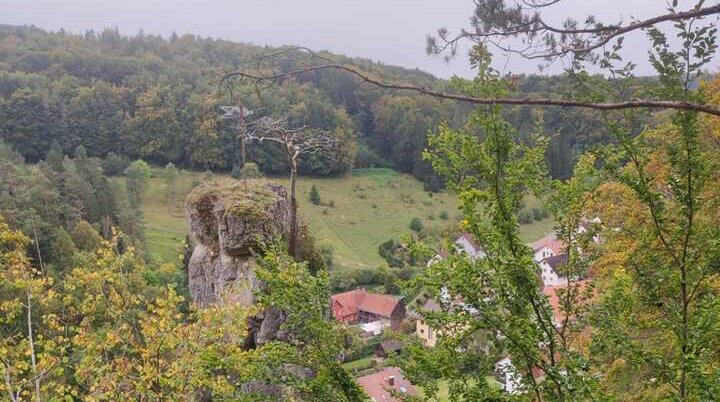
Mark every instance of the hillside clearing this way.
pixel 357 213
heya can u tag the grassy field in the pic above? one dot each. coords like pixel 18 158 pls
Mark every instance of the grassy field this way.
pixel 443 391
pixel 536 229
pixel 165 226
pixel 359 212
pixel 363 363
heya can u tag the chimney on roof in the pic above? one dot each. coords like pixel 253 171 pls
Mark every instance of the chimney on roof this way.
pixel 391 380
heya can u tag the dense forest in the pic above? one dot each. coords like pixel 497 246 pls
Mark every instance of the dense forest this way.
pixel 157 98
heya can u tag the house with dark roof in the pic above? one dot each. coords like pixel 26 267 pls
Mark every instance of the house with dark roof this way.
pixel 388 347
pixel 552 270
pixel 388 385
pixel 361 306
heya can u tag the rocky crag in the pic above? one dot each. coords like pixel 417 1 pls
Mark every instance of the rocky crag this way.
pixel 230 222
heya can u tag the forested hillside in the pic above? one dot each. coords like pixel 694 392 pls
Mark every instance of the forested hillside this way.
pixel 157 98
pixel 68 205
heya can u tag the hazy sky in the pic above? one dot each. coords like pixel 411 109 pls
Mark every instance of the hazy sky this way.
pixel 391 31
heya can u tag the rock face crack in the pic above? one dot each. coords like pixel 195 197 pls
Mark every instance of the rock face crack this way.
pixel 231 221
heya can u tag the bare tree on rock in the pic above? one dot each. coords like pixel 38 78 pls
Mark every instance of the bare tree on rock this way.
pixel 296 142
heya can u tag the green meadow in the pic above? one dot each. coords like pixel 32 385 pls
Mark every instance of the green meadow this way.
pixel 357 213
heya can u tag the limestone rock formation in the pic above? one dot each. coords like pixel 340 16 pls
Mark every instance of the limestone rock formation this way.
pixel 231 221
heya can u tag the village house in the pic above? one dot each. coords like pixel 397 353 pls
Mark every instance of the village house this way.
pixel 361 306
pixel 388 385
pixel 387 348
pixel 550 256
pixel 510 379
pixel 505 371
pixel 464 244
pixel 551 270
pixel 423 330
pixel 547 246
pixel 467 244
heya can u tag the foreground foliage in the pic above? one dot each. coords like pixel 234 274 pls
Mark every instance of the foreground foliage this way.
pixel 103 333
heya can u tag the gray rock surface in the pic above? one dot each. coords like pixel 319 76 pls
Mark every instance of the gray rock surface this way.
pixel 230 222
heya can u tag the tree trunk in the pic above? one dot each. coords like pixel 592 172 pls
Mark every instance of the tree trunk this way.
pixel 37 247
pixel 8 385
pixel 242 150
pixel 31 340
pixel 292 247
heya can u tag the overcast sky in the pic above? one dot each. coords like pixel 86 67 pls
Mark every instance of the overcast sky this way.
pixel 391 31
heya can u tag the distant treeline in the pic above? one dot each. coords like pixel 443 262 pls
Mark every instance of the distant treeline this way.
pixel 157 98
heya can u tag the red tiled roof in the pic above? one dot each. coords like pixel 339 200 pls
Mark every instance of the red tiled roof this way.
pixel 347 301
pixel 377 386
pixel 537 373
pixel 554 298
pixel 360 299
pixel 550 241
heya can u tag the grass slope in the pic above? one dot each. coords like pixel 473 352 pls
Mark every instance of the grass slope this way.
pixel 358 213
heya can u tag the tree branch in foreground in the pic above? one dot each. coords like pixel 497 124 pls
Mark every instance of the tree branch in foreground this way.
pixel 328 64
pixel 545 41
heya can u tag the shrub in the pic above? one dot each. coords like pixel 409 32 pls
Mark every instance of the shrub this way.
pixel 537 214
pixel 236 172
pixel 525 217
pixel 386 248
pixel 328 252
pixel 390 281
pixel 315 195
pixel 416 225
pixel 137 176
pixel 365 277
pixel 251 171
pixel 407 199
pixel 444 215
